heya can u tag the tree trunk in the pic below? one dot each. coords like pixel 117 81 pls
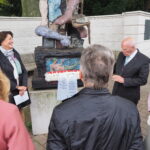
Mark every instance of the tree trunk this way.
pixel 30 8
pixel 147 5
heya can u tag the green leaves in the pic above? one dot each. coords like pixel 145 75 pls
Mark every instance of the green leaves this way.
pixel 104 7
pixel 10 8
pixel 30 8
pixel 91 7
pixel 4 2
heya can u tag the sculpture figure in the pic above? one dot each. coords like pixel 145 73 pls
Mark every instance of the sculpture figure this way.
pixel 63 20
pixel 52 10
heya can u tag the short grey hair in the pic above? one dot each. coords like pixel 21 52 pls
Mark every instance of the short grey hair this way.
pixel 96 65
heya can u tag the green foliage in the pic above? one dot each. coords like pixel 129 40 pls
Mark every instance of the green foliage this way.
pixel 29 126
pixel 30 8
pixel 10 8
pixel 103 7
pixel 27 8
pixel 91 7
pixel 4 2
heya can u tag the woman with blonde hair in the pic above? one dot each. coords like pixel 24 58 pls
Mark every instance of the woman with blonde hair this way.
pixel 13 134
pixel 4 86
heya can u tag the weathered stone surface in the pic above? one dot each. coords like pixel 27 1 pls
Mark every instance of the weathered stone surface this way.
pixel 43 103
pixel 28 61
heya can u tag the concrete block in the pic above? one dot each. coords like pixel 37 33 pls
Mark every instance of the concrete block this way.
pixel 142 20
pixel 144 47
pixel 29 40
pixel 117 22
pixel 28 61
pixel 138 29
pixel 138 37
pixel 42 105
pixel 27 48
pixel 116 46
pixel 130 20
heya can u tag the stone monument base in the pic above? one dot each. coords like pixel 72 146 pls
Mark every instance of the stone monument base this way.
pixel 42 104
pixel 41 56
pixel 40 83
pixel 41 108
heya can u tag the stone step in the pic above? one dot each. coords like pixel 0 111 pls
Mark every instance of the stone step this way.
pixel 29 61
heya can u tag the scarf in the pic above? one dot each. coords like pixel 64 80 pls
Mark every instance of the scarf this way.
pixel 10 55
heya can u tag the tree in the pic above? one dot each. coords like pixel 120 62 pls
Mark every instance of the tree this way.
pixel 16 7
pixel 147 5
pixel 30 8
pixel 4 2
pixel 103 7
pixel 27 8
pixel 10 8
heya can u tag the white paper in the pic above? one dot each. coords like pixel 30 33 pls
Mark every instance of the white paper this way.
pixel 72 85
pixel 62 88
pixel 20 99
pixel 67 86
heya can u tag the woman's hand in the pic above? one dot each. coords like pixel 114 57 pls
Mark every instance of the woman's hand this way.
pixel 21 89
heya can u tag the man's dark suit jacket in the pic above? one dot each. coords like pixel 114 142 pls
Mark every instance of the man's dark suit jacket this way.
pixel 8 69
pixel 135 74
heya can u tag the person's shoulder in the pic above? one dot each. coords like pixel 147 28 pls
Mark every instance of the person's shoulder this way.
pixel 120 56
pixel 124 104
pixel 16 52
pixel 67 106
pixel 67 102
pixel 144 57
pixel 7 108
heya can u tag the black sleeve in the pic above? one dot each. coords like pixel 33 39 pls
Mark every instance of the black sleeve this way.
pixel 117 60
pixel 24 75
pixel 12 85
pixel 137 142
pixel 114 69
pixel 55 140
pixel 141 79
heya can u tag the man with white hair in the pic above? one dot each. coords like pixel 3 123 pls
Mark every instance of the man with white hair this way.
pixel 93 119
pixel 130 72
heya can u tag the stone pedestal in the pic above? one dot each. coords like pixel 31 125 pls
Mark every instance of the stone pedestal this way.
pixel 41 54
pixel 42 105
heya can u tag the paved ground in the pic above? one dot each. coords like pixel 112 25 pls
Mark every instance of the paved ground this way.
pixel 40 140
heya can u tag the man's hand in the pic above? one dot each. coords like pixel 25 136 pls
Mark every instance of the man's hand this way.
pixel 118 78
pixel 21 89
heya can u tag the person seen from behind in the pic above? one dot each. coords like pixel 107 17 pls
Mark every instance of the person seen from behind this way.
pixel 93 119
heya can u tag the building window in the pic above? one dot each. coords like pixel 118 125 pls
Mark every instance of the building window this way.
pixel 147 30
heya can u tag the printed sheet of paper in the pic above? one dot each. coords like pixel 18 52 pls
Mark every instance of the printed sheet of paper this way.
pixel 72 85
pixel 20 99
pixel 67 86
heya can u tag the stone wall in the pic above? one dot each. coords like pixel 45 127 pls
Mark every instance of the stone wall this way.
pixel 25 40
pixel 107 30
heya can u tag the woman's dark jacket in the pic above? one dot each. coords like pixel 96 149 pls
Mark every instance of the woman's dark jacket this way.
pixel 8 69
pixel 95 120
